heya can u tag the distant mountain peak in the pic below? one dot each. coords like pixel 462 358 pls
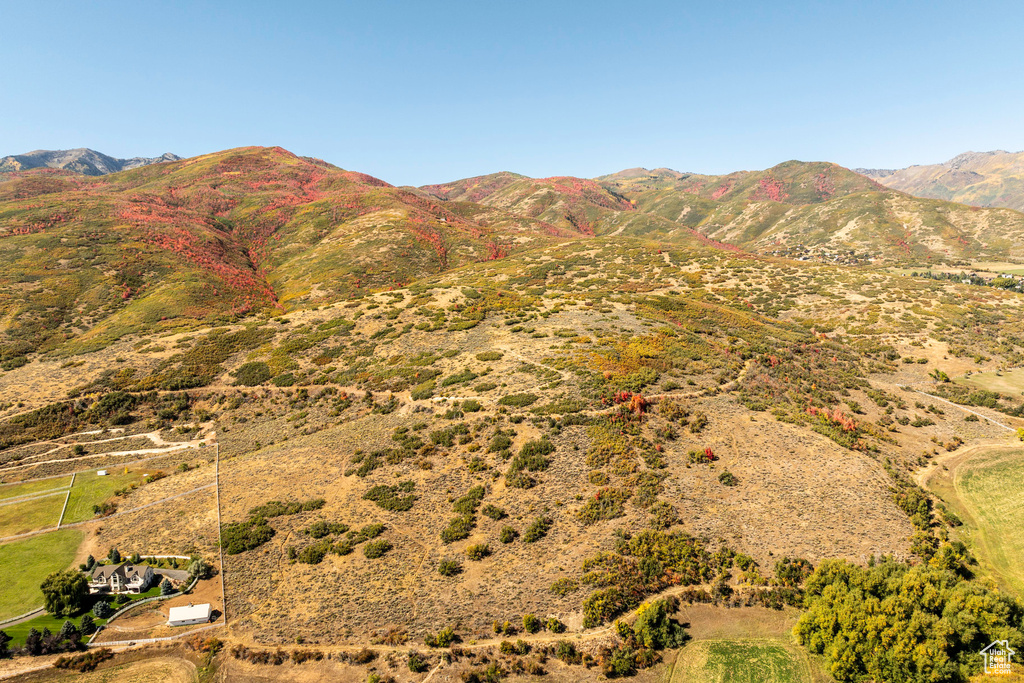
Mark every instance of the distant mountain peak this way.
pixel 968 158
pixel 80 160
pixel 992 179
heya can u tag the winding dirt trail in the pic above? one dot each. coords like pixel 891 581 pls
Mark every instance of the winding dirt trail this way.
pixel 161 446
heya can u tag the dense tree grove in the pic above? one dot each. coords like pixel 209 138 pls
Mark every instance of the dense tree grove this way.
pixel 64 592
pixel 899 622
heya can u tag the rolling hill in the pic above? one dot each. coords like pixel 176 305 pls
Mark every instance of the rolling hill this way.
pixel 795 208
pixel 85 259
pixel 993 179
pixel 536 415
pixel 88 259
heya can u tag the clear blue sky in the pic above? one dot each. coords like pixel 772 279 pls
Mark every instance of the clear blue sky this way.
pixel 419 92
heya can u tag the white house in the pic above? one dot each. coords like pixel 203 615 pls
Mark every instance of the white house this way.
pixel 121 578
pixel 189 614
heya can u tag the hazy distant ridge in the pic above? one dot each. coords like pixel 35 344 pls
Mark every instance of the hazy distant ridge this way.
pixel 81 160
pixel 992 179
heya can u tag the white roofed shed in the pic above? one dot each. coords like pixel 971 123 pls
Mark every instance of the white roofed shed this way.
pixel 189 614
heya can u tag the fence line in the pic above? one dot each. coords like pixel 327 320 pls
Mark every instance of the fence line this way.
pixel 967 410
pixel 139 641
pixel 220 540
pixel 116 514
pixel 26 615
pixel 98 467
pixel 64 509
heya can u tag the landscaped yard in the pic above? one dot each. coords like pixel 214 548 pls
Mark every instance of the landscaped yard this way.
pixel 91 489
pixel 29 515
pixel 33 487
pixel 19 631
pixel 24 564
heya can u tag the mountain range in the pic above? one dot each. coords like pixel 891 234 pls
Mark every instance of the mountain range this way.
pixel 976 178
pixel 82 160
pixel 85 259
pixel 441 411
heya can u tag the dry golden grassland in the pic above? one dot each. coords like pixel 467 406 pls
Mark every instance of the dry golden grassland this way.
pixel 541 348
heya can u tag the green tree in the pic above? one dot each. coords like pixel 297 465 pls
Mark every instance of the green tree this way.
pixel 200 568
pixel 68 631
pixel 34 642
pixel 114 555
pixel 900 622
pixel 653 628
pixel 166 588
pixel 87 626
pixel 444 638
pixel 449 567
pixel 64 592
pixel 4 640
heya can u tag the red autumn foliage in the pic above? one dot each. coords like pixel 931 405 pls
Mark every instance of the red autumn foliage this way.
pixel 835 416
pixel 721 190
pixel 578 220
pixel 579 189
pixel 496 250
pixel 636 404
pixel 433 236
pixel 713 242
pixel 769 188
pixel 824 184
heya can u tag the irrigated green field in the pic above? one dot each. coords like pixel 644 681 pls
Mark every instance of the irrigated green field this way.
pixel 1005 382
pixel 33 487
pixel 24 564
pixel 17 517
pixel 744 660
pixel 90 489
pixel 990 487
pixel 30 515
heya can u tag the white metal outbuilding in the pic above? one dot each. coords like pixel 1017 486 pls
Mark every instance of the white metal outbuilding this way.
pixel 189 614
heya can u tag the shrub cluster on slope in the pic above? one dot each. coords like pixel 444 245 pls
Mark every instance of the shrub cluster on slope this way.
pixel 899 622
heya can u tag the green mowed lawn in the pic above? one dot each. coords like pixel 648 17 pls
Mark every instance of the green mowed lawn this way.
pixel 30 515
pixel 33 487
pixel 91 489
pixel 25 563
pixel 744 660
pixel 19 631
pixel 991 489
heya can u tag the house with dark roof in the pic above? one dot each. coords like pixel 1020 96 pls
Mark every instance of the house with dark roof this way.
pixel 120 578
